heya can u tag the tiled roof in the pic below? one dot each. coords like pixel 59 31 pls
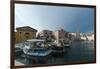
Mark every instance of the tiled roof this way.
pixel 26 28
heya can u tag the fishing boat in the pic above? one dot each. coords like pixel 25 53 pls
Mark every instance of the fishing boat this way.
pixel 67 44
pixel 36 48
pixel 60 47
pixel 57 49
pixel 18 52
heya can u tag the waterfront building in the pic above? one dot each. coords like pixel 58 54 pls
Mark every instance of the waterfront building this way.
pixel 46 35
pixel 60 34
pixel 90 37
pixel 87 36
pixel 73 35
pixel 83 36
pixel 24 33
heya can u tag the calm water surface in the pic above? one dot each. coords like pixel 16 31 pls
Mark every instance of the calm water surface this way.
pixel 79 51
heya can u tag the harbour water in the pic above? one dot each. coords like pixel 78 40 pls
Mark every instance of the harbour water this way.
pixel 79 51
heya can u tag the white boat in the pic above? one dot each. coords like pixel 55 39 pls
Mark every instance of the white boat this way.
pixel 36 48
pixel 39 52
pixel 18 52
pixel 66 43
pixel 57 48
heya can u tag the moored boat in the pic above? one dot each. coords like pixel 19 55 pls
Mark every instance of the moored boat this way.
pixel 18 52
pixel 67 44
pixel 57 49
pixel 36 48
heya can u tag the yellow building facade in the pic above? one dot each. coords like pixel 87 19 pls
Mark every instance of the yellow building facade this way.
pixel 24 33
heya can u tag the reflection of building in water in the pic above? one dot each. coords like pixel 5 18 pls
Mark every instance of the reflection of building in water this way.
pixel 24 33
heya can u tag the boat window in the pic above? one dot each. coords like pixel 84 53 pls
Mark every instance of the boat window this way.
pixel 40 50
pixel 38 44
pixel 30 50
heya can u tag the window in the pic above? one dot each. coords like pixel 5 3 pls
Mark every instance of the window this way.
pixel 27 33
pixel 27 37
pixel 20 32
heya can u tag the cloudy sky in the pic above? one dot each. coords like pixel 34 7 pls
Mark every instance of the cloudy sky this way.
pixel 53 18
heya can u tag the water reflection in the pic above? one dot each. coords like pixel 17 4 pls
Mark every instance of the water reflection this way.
pixel 79 51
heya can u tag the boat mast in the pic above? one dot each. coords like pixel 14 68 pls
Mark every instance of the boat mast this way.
pixel 78 31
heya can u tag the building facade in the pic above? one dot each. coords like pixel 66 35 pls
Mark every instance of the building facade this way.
pixel 45 34
pixel 24 33
pixel 90 37
pixel 60 34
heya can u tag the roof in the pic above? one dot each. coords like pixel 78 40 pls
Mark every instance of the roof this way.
pixel 46 31
pixel 26 28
